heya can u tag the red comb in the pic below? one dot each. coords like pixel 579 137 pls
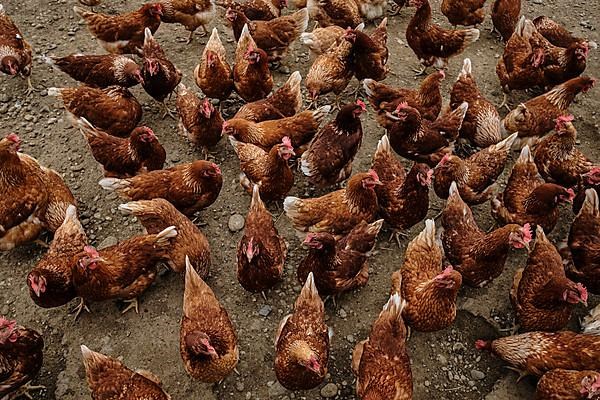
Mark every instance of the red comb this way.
pixel 481 344
pixel 13 137
pixel 216 167
pixel 442 73
pixel 287 142
pixel 373 174
pixel 91 251
pixel 582 292
pixel 362 104
pixel 444 159
pixel 527 234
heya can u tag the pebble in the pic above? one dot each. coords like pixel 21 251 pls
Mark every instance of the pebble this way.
pixel 265 311
pixel 458 347
pixel 276 390
pixel 107 242
pixel 239 386
pixel 330 390
pixel 3 108
pixel 342 313
pixel 236 223
pixel 477 375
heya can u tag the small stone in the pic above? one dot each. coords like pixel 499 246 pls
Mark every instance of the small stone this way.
pixel 109 241
pixel 477 375
pixel 248 395
pixel 330 390
pixel 265 311
pixel 427 383
pixel 284 70
pixel 236 223
pixel 538 2
pixel 276 390
pixel 458 347
pixel 3 108
pixel 442 359
pixel 342 313
pixel 239 386
pixel 5 98
pixel 350 339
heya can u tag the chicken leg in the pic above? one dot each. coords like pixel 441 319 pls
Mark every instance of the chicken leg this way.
pixel 77 310
pixel 133 303
pixel 24 390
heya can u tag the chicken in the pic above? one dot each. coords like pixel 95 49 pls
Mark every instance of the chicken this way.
pixel 536 353
pixel 99 70
pixel 199 120
pixel 474 176
pixel 16 58
pixel 527 198
pixel 557 158
pixel 262 251
pixel 123 33
pixel 274 36
pixel 337 212
pixel 321 39
pixel 50 282
pixel 542 296
pixel 284 102
pixel 430 289
pixel 123 271
pixel 328 159
pixel 207 338
pixel 158 214
pixel 481 125
pixel 251 74
pixel 113 109
pixel 300 128
pixel 403 199
pixel 466 13
pixel 590 180
pixel 21 356
pixel 371 9
pixel 214 75
pixel 478 256
pixel 120 158
pixel 109 379
pixel 262 10
pixel 505 15
pixel 561 64
pixel 584 244
pixel 381 362
pixel 269 170
pixel 334 12
pixel 432 44
pixel 192 14
pixel 421 140
pixel 302 342
pixel 568 385
pixel 339 266
pixel 189 187
pixel 427 99
pixel 554 32
pixel 161 77
pixel 536 117
pixel 370 53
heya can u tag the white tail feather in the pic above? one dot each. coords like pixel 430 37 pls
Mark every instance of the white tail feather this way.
pixel 113 183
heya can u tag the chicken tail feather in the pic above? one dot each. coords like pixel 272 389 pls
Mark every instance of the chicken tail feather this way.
pixel 320 113
pixel 590 205
pixel 113 184
pixel 309 295
pixel 82 12
pixel 471 35
pixel 394 306
pixel 55 92
pixel 165 235
pixel 505 145
pixel 466 69
pixel 427 235
pixel 590 325
pixel 525 156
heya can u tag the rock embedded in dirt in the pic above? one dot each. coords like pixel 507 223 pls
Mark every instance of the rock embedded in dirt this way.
pixel 236 223
pixel 276 390
pixel 477 375
pixel 330 390
pixel 265 311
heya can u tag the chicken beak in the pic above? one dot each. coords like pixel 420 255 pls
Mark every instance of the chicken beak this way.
pixel 526 245
pixel 37 291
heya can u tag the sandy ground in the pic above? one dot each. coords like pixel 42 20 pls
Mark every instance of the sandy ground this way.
pixel 445 363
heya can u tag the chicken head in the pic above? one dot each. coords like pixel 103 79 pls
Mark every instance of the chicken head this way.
pixel 576 294
pixel 371 180
pixel 37 283
pixel 521 238
pixel 8 331
pixel 199 343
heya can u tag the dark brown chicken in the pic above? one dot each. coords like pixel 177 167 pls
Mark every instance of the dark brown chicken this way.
pixel 478 256
pixel 262 251
pixel 122 158
pixel 109 379
pixel 192 14
pixel 339 266
pixel 554 32
pixel 251 74
pixel 466 13
pixel 15 58
pixel 214 75
pixel 302 342
pixel 207 338
pixel 157 215
pixel 370 53
pixel 262 10
pixel 505 15
pixel 568 385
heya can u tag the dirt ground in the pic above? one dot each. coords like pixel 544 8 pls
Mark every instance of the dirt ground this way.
pixel 445 364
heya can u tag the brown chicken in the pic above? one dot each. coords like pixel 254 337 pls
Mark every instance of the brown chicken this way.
pixel 560 64
pixel 536 353
pixel 505 15
pixel 99 70
pixel 300 128
pixel 334 12
pixel 113 109
pixel 541 295
pixel 481 125
pixel 21 357
pixel 536 117
pixel 590 180
pixel 430 289
pixel 269 170
pixel 421 140
pixel 284 102
pixel 192 14
pixel 274 36
pixel 157 215
pixel 262 251
pixel 251 74
pixel 189 187
pixel 161 77
pixel 371 9
pixel 568 385
pixel 123 33
pixel 381 362
pixel 302 342
pixel 465 13
pixel 51 281
pixel 109 379
pixel 584 244
pixel 123 271
pixel 328 159
pixel 370 53
pixel 475 176
pixel 337 212
pixel 342 265
pixel 319 40
pixel 262 10
pixel 207 339
pixel 478 256
pixel 15 58
pixel 527 198
pixel 214 75
pixel 427 99
pixel 557 158
pixel 122 158
pixel 403 198
pixel 199 120
pixel 554 32
pixel 432 44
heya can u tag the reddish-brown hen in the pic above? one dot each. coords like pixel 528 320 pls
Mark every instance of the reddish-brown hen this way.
pixel 192 14
pixel 214 75
pixel 370 53
pixel 16 56
pixel 565 384
pixel 466 13
pixel 262 10
pixel 251 74
pixel 334 12
pixel 590 180
pixel 505 15
pixel 554 32
pixel 319 40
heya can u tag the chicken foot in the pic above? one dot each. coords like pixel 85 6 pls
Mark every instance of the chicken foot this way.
pixel 133 303
pixel 24 390
pixel 77 310
pixel 30 88
pixel 168 111
pixel 396 234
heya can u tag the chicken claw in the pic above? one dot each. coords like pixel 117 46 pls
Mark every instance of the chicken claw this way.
pixel 77 310
pixel 420 72
pixel 30 88
pixel 397 235
pixel 24 390
pixel 168 111
pixel 133 303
